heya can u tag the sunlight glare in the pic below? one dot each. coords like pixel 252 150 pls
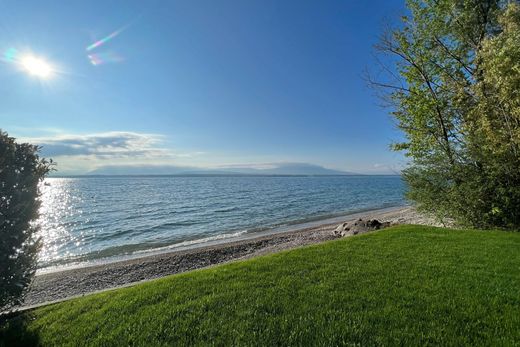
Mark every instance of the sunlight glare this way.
pixel 36 67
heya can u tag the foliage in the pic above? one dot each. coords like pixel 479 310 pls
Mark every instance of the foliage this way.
pixel 455 93
pixel 495 120
pixel 21 170
pixel 409 285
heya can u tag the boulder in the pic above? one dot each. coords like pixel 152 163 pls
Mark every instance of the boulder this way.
pixel 359 226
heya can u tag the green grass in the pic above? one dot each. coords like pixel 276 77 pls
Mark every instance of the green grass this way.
pixel 405 285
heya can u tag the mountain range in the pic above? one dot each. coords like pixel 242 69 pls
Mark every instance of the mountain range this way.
pixel 289 169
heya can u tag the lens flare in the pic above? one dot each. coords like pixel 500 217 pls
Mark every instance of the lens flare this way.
pixel 106 38
pixel 10 55
pixel 95 59
pixel 104 58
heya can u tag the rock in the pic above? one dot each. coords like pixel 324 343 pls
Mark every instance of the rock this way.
pixel 340 228
pixel 359 226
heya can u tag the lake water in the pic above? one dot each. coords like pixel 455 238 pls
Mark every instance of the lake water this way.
pixel 90 218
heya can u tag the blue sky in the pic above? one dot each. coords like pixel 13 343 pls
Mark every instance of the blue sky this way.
pixel 198 83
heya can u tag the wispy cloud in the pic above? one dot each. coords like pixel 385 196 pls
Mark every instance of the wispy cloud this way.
pixel 84 152
pixel 115 144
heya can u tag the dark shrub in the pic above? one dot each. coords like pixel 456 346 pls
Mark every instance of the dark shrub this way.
pixel 21 171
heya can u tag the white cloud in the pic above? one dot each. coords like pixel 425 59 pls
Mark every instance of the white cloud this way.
pixel 79 153
pixel 110 144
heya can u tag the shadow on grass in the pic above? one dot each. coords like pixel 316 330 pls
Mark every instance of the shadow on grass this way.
pixel 14 331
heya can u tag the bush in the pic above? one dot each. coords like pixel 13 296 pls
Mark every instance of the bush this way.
pixel 21 171
pixel 452 83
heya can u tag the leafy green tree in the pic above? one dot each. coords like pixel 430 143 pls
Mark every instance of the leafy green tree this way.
pixel 495 121
pixel 454 90
pixel 21 171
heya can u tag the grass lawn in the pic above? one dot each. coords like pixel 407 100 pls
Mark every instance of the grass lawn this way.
pixel 405 285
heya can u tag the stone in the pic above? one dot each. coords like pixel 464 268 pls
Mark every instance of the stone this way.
pixel 359 226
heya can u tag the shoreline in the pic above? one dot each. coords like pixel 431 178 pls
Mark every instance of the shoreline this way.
pixel 218 239
pixel 61 285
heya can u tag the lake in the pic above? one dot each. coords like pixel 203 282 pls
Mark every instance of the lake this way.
pixel 85 219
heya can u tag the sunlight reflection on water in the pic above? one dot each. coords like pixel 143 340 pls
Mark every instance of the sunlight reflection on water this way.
pixel 58 215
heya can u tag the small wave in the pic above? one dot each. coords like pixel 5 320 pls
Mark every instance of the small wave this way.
pixel 124 252
pixel 165 226
pixel 228 209
pixel 325 216
pixel 193 242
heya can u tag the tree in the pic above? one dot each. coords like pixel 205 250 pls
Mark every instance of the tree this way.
pixel 453 87
pixel 21 171
pixel 495 120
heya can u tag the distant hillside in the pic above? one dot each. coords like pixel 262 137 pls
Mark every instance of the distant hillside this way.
pixel 293 169
pixel 139 170
pixel 274 169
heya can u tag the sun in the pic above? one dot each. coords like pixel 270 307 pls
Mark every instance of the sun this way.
pixel 36 67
